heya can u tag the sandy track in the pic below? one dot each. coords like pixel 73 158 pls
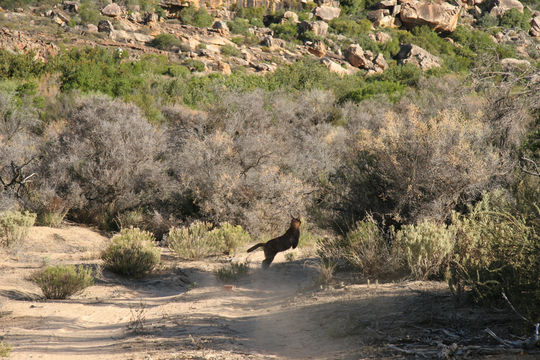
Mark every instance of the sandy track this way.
pixel 183 312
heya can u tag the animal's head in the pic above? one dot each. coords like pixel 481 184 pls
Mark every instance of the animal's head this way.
pixel 295 222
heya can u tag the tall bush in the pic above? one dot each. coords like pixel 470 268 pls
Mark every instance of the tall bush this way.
pixel 193 242
pixel 495 252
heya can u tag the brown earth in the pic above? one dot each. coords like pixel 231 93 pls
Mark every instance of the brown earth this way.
pixel 183 312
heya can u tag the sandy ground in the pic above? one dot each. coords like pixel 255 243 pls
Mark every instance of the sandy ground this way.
pixel 183 312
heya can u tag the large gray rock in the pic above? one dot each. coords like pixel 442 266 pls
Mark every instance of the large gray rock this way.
pixel 356 57
pixel 289 16
pixel 502 6
pixel 105 26
pixel 412 54
pixel 334 67
pixel 437 14
pixel 327 13
pixel 112 10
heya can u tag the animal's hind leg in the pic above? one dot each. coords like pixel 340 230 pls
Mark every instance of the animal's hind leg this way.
pixel 269 257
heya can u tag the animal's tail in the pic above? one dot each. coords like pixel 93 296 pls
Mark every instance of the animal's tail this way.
pixel 255 247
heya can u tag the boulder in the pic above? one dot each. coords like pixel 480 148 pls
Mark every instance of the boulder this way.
pixel 105 26
pixel 380 37
pixel 438 15
pixel 380 63
pixel 151 18
pixel 90 28
pixel 319 28
pixel 356 57
pixel 535 26
pixel 220 25
pixel 502 6
pixel 72 6
pixel 388 3
pixel 317 48
pixel 224 68
pixel 334 67
pixel 327 13
pixel 412 54
pixel 511 63
pixel 112 10
pixel 289 16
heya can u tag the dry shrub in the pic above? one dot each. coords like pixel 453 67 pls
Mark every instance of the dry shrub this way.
pixel 254 159
pixel 104 160
pixel 412 167
pixel 63 281
pixel 232 272
pixel 229 237
pixel 425 249
pixel 131 253
pixel 14 227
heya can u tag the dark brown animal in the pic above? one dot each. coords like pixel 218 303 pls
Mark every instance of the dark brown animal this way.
pixel 282 243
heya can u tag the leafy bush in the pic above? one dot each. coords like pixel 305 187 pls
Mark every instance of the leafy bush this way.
pixel 20 66
pixel 194 65
pixel 487 21
pixel 229 237
pixel 5 349
pixel 165 41
pixel 496 251
pixel 193 242
pixel 425 249
pixel 350 27
pixel 513 18
pixel 232 273
pixel 131 253
pixel 63 281
pixel 14 226
pixel 239 26
pixel 197 17
pixel 286 31
pixel 230 50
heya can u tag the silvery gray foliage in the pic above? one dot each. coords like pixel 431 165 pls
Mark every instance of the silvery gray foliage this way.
pixel 106 159
pixel 256 158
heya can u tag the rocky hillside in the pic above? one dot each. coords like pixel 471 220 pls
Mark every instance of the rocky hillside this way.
pixel 259 36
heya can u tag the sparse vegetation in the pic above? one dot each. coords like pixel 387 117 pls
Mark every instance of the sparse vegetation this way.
pixel 14 227
pixel 63 281
pixel 131 253
pixel 5 349
pixel 197 17
pixel 232 272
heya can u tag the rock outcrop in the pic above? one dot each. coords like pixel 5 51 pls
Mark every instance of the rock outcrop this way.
pixel 502 6
pixel 112 10
pixel 438 15
pixel 535 26
pixel 359 58
pixel 412 54
pixel 327 13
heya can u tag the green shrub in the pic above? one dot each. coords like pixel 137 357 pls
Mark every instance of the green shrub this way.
pixel 132 218
pixel 51 218
pixel 164 41
pixel 131 253
pixel 487 21
pixel 5 349
pixel 425 249
pixel 89 13
pixel 20 66
pixel 194 65
pixel 196 17
pixel 232 273
pixel 14 226
pixel 350 27
pixel 286 31
pixel 513 18
pixel 230 50
pixel 63 281
pixel 229 237
pixel 193 242
pixel 239 26
pixel 496 251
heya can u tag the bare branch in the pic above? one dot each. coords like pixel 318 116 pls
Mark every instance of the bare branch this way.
pixel 533 164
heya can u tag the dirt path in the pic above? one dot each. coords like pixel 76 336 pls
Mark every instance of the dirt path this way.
pixel 183 312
